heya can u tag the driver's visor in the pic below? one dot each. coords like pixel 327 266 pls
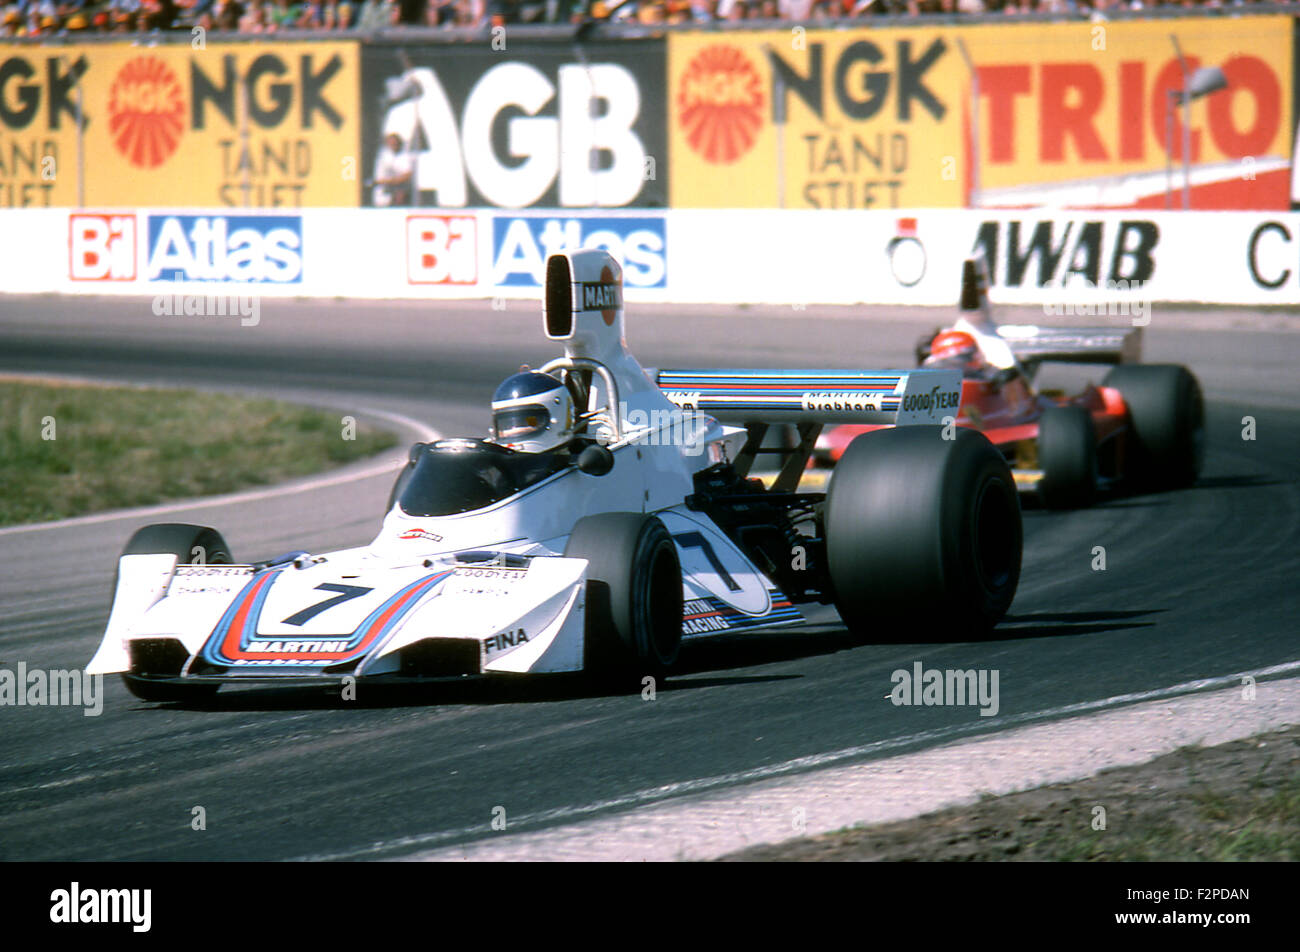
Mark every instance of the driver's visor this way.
pixel 519 423
pixel 959 360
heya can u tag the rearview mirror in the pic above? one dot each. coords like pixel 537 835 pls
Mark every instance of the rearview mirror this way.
pixel 596 460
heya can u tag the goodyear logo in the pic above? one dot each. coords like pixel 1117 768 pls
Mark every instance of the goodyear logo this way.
pixel 934 400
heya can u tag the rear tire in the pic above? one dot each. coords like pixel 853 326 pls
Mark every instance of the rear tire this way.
pixel 1067 455
pixel 1167 416
pixel 634 594
pixel 922 532
pixel 192 545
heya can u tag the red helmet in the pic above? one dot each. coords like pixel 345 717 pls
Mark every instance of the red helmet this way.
pixel 955 349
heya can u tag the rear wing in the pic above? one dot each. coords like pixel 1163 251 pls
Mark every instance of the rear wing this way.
pixel 884 397
pixel 1033 344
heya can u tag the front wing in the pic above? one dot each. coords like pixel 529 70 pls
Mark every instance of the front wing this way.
pixel 314 619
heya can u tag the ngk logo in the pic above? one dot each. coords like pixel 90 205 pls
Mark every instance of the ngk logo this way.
pixel 863 79
pixel 101 247
pixel 146 112
pixel 441 249
pixel 720 104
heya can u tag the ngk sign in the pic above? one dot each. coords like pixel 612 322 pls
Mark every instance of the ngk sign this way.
pixel 1077 114
pixel 539 127
pixel 236 125
pixel 837 119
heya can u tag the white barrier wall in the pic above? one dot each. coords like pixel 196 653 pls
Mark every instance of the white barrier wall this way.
pixel 689 256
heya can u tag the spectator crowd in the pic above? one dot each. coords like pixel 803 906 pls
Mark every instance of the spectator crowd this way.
pixel 50 17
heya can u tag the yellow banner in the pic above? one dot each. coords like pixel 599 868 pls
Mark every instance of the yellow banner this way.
pixel 842 119
pixel 238 125
pixel 1077 113
pixel 1067 114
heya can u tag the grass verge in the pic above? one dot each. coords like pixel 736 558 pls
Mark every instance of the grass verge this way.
pixel 1237 801
pixel 70 449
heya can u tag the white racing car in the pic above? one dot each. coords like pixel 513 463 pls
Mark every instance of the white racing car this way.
pixel 609 515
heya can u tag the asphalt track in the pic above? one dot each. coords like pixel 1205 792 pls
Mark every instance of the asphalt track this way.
pixel 1198 584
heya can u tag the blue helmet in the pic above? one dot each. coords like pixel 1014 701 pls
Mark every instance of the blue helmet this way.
pixel 532 412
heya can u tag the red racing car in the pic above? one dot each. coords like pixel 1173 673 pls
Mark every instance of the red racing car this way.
pixel 1145 424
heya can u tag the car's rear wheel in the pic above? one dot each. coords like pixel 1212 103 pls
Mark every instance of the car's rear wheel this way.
pixel 634 594
pixel 1167 415
pixel 192 545
pixel 923 534
pixel 1067 455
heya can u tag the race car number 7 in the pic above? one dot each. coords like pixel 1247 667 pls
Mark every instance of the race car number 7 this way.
pixel 346 593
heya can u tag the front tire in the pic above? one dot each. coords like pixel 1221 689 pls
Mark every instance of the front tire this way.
pixel 1067 455
pixel 922 532
pixel 634 593
pixel 1167 417
pixel 192 545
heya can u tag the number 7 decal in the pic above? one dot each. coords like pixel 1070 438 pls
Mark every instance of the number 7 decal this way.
pixel 346 593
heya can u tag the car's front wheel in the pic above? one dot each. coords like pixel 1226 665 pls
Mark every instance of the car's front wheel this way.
pixel 192 545
pixel 634 593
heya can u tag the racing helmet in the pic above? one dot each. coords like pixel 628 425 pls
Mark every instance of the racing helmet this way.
pixel 532 412
pixel 954 350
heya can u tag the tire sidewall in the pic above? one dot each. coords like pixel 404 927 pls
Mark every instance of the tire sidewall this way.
pixel 1067 456
pixel 180 540
pixel 651 608
pixel 902 526
pixel 982 561
pixel 634 593
pixel 1166 417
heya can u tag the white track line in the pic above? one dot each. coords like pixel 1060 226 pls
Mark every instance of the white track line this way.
pixel 906 785
pixel 425 433
pixel 655 794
